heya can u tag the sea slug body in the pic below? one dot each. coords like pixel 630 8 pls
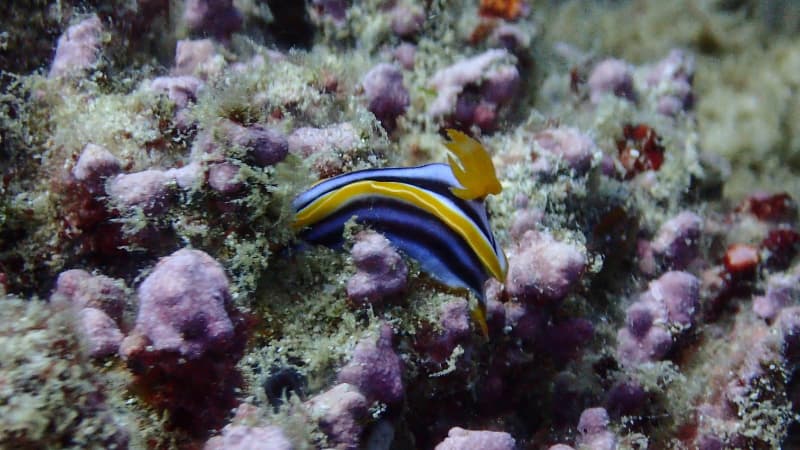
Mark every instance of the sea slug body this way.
pixel 434 213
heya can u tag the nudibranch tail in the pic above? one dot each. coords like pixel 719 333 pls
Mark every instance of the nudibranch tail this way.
pixel 479 316
pixel 472 166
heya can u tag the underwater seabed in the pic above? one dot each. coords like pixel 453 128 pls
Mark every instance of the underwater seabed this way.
pixel 628 279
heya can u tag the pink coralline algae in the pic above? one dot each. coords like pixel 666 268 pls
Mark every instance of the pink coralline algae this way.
pixel 495 308
pixel 524 322
pixel 266 146
pixel 94 165
pixel 382 274
pixel 676 242
pixel 78 48
pixel 461 439
pixel 542 269
pixel 340 411
pixel 147 189
pixel 405 54
pixel 524 220
pixel 626 398
pixel 451 81
pixel 85 290
pixel 224 178
pixel 671 80
pixel 593 427
pixel 241 437
pixel 98 302
pixel 573 147
pixel 594 432
pixel 183 304
pixel 661 314
pixel 218 18
pixel 248 431
pixel 152 189
pixel 182 90
pixel 748 388
pixel 472 91
pixel 262 145
pixel 512 37
pixel 782 290
pixel 386 95
pixel 187 340
pixel 611 76
pixel 407 19
pixel 325 146
pixel 376 369
pixel 454 321
pixel 101 335
pixel 194 58
pixel 560 339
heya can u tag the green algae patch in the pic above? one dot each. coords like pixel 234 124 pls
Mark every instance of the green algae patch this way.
pixel 51 397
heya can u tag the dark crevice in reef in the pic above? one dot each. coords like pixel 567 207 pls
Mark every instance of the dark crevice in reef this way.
pixel 291 26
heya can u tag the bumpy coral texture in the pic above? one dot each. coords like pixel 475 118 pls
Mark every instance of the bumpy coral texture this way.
pixel 182 306
pixel 646 162
pixel 51 395
pixel 375 368
pixel 187 340
pixel 78 48
pixel 340 411
pixel 461 439
pixel 542 269
pixel 382 274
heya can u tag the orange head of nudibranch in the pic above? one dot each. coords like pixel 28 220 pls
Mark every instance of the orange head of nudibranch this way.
pixel 472 166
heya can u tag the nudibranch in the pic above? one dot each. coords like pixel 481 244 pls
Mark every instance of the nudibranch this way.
pixel 434 213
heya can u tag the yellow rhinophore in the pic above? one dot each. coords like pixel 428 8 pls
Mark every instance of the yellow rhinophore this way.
pixel 472 166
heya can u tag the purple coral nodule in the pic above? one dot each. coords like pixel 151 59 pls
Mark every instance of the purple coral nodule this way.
pixel 461 439
pixel 677 240
pixel 660 316
pixel 382 274
pixel 187 341
pixel 386 95
pixel 78 48
pixel 376 369
pixel 542 269
pixel 611 76
pixel 182 305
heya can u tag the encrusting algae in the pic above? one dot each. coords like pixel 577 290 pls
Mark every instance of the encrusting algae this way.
pixel 174 173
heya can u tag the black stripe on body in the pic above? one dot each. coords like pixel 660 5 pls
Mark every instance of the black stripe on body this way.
pixel 437 178
pixel 419 234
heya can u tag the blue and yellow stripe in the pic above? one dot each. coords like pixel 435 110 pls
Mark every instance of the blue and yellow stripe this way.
pixel 434 213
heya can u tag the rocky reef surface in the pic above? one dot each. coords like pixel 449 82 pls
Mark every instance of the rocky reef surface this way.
pixel 153 293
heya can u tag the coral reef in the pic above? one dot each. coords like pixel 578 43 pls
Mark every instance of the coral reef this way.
pixel 382 273
pixel 340 412
pixel 183 328
pixel 155 291
pixel 51 396
pixel 459 438
pixel 78 48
